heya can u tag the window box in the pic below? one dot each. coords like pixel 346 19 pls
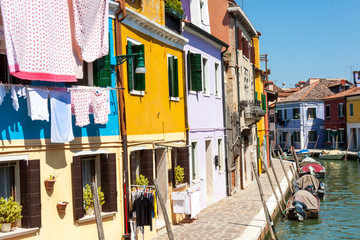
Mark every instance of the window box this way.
pixel 171 11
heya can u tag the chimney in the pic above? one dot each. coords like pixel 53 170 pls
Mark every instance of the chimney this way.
pixel 356 78
pixel 283 85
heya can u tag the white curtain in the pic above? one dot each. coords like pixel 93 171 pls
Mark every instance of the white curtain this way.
pixel 87 172
pixel 5 182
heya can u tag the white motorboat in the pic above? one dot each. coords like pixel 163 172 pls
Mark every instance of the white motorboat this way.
pixel 332 154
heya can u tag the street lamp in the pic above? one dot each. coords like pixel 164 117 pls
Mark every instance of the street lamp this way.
pixel 140 67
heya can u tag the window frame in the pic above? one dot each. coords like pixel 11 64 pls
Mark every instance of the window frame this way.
pixel 15 178
pixel 205 76
pixel 311 110
pixel 218 92
pixel 315 136
pixel 285 114
pixel 194 85
pixel 194 161
pixel 351 109
pixel 220 145
pixel 296 113
pixel 328 106
pixel 341 110
pixel 296 136
pixel 173 88
pixel 132 62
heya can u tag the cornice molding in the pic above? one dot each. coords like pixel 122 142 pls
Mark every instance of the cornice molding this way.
pixel 243 19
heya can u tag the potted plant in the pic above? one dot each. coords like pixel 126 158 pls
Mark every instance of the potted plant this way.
pixel 174 7
pixel 142 180
pixel 88 199
pixel 49 182
pixel 61 206
pixel 179 174
pixel 10 211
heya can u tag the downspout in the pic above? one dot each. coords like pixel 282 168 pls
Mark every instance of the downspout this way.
pixel 238 105
pixel 122 113
pixel 224 122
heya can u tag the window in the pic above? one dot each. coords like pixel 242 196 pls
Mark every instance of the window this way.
pixel 217 80
pixel 173 76
pixel 205 76
pixel 263 102
pixel 311 113
pixel 272 119
pixel 202 11
pixel 285 114
pixel 279 115
pixel 284 137
pixel 7 187
pixel 247 87
pixel 180 157
pixel 328 135
pixel 194 72
pixel 220 155
pixel 296 136
pixel 341 136
pixel 327 111
pixel 296 113
pixel 312 136
pixel 194 160
pixel 271 135
pixel 136 81
pixel 341 110
pixel 351 109
pixel 100 168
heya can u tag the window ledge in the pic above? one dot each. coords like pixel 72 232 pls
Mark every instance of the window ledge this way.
pixel 179 186
pixel 18 232
pixel 137 93
pixel 175 99
pixel 218 97
pixel 206 95
pixel 92 217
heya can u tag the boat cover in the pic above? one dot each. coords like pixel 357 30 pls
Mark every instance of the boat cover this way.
pixel 331 152
pixel 311 201
pixel 316 166
pixel 307 180
pixel 303 151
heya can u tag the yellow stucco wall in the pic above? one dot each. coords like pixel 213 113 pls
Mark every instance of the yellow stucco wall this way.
pixel 152 9
pixel 356 103
pixel 259 88
pixel 154 113
pixel 56 159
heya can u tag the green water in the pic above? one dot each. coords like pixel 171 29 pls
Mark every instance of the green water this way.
pixel 339 216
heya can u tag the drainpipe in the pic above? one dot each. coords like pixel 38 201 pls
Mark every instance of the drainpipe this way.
pixel 122 112
pixel 239 111
pixel 228 184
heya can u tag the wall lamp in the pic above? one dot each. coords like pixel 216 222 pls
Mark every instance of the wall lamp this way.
pixel 140 67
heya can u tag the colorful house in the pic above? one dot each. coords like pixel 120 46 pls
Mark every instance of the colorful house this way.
pixel 335 119
pixel 155 100
pixel 203 61
pixel 300 117
pixel 28 158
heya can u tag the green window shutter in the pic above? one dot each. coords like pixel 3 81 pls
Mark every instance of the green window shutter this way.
pixel 170 75
pixel 175 78
pixel 130 68
pixel 314 112
pixel 263 99
pixel 139 79
pixel 196 81
pixel 102 71
pixel 256 95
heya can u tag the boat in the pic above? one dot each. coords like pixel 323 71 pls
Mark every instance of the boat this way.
pixel 313 168
pixel 332 154
pixel 303 205
pixel 308 160
pixel 311 184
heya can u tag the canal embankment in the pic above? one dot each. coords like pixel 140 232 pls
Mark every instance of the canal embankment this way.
pixel 240 216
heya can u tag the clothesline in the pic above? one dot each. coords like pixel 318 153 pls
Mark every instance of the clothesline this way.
pixel 146 186
pixel 64 87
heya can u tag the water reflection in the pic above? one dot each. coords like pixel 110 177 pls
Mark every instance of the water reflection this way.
pixel 339 211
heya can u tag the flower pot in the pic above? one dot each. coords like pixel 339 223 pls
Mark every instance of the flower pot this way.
pixel 61 206
pixel 89 211
pixel 49 184
pixel 5 227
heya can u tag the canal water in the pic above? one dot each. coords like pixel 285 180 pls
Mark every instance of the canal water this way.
pixel 339 216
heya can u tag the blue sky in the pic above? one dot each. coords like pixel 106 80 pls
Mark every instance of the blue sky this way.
pixel 307 38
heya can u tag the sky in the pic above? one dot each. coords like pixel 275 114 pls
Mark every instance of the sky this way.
pixel 307 38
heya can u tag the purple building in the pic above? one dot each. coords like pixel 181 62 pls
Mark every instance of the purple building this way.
pixel 204 104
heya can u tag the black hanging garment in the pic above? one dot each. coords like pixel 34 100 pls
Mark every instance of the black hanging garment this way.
pixel 143 208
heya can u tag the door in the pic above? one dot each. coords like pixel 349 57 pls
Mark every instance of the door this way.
pixel 161 176
pixel 209 171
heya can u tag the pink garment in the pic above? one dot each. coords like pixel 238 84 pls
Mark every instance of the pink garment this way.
pixel 38 41
pixel 101 106
pixel 91 19
pixel 80 105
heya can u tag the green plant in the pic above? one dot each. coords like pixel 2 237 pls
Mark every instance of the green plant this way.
pixel 175 5
pixel 179 174
pixel 88 198
pixel 51 177
pixel 142 180
pixel 9 210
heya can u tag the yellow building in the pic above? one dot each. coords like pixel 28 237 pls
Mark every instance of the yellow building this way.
pixel 353 121
pixel 261 98
pixel 154 101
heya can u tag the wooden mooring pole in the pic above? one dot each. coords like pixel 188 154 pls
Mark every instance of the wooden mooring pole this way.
pixel 273 189
pixel 98 218
pixel 266 210
pixel 277 182
pixel 163 208
pixel 315 145
pixel 296 160
pixel 347 149
pixel 285 173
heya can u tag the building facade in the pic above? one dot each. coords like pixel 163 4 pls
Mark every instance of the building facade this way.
pixel 352 121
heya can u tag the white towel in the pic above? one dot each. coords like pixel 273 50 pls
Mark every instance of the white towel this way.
pixel 100 100
pixel 194 203
pixel 91 20
pixel 15 99
pixel 180 202
pixel 61 124
pixel 3 91
pixel 38 40
pixel 37 102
